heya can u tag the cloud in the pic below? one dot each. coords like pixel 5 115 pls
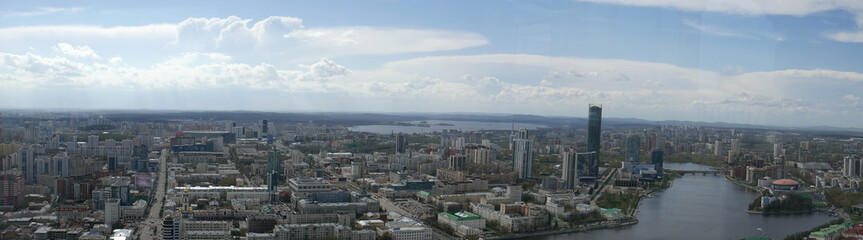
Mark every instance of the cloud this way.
pixel 78 52
pixel 323 70
pixel 280 39
pixel 744 7
pixel 43 11
pixel 477 83
pixel 714 30
pixel 278 34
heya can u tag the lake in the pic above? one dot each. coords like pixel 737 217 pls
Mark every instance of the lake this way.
pixel 702 207
pixel 434 127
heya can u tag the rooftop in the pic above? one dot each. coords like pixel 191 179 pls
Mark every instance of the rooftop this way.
pixel 460 216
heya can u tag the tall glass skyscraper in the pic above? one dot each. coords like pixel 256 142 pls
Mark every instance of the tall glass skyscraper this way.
pixel 594 130
pixel 656 159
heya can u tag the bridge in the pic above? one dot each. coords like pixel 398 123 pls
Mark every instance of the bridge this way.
pixel 702 172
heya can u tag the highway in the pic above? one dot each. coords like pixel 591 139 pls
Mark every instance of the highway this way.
pixel 153 220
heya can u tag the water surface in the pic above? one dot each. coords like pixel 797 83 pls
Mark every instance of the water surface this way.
pixel 702 207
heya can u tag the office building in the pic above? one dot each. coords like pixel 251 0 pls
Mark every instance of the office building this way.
pixel 444 139
pixel 274 164
pixel 594 131
pixel 633 149
pixel 586 167
pixel 522 155
pixel 401 143
pixel 172 228
pixel 717 147
pixel 112 211
pixel 777 150
pixel 570 170
pixel 656 160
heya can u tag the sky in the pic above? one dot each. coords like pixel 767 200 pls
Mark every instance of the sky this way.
pixel 769 62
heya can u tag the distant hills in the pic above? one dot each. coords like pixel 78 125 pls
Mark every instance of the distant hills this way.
pixel 342 118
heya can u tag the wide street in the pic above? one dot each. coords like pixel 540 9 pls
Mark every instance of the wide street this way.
pixel 153 220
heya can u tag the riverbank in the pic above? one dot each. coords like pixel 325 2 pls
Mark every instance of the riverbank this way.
pixel 555 232
pixel 742 184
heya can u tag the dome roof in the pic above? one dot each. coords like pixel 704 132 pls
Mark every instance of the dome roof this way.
pixel 785 182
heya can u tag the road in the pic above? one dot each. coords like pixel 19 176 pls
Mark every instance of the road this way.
pixel 153 219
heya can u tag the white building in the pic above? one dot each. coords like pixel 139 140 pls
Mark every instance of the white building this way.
pixel 112 211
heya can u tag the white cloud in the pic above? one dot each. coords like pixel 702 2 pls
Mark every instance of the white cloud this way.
pixel 714 30
pixel 43 11
pixel 745 7
pixel 477 83
pixel 276 38
pixel 78 52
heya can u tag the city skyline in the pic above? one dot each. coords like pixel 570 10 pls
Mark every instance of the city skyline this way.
pixel 793 65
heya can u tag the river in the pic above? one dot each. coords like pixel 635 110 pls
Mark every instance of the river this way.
pixel 702 207
pixel 436 127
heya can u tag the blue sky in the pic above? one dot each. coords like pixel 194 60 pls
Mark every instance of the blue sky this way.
pixel 757 62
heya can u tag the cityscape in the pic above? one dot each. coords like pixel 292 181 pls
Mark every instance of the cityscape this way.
pixel 431 120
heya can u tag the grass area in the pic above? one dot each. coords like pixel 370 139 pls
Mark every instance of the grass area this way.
pixel 667 178
pixel 623 201
pixel 843 199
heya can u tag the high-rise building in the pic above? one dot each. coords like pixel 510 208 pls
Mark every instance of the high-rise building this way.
pixel 274 164
pixel 401 143
pixel 570 170
pixel 852 166
pixel 28 163
pixel 172 228
pixel 656 160
pixel 717 147
pixel 112 211
pixel 31 134
pixel 92 141
pixel 777 150
pixel 633 149
pixel 265 127
pixel 594 131
pixel 584 163
pixel 522 155
pixel 457 162
pixel 61 165
pixel 444 138
pixel 11 187
pixel 112 163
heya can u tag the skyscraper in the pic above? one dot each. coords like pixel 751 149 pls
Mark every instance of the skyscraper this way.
pixel 656 160
pixel 570 169
pixel 522 155
pixel 401 143
pixel 633 148
pixel 777 150
pixel 717 147
pixel 594 130
pixel 265 127
pixel 112 163
pixel 444 140
pixel 274 163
